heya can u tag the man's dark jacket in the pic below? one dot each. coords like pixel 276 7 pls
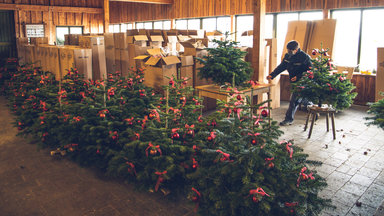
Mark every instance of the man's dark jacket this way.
pixel 296 65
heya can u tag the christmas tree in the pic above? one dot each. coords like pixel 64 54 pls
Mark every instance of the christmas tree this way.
pixel 377 110
pixel 227 163
pixel 225 64
pixel 320 86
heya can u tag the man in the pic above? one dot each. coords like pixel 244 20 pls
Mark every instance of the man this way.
pixel 296 62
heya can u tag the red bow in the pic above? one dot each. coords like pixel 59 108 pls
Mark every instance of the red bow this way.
pixel 258 191
pixel 289 149
pixel 194 163
pixel 129 120
pixel 160 179
pixel 174 130
pixel 43 104
pixel 150 145
pixel 269 163
pixel 255 134
pixel 287 204
pixel 224 156
pixel 189 127
pixel 131 168
pixel 196 198
pixel 77 119
pixel 157 116
pixel 304 176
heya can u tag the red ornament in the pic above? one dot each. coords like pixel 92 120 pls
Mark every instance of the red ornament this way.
pixel 264 113
pixel 153 151
pixel 175 136
pixel 254 199
pixel 238 97
pixel 254 142
pixel 210 139
pixel 151 115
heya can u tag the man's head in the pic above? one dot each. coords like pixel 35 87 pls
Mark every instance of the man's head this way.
pixel 292 47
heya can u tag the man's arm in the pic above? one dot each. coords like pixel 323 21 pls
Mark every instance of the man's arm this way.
pixel 282 67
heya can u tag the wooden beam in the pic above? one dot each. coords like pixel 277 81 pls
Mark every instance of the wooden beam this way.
pixel 258 40
pixel 326 14
pixel 106 16
pixel 147 1
pixel 43 8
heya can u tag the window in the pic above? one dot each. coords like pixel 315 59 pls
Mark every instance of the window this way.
pixel 313 15
pixel 194 24
pixel 372 37
pixel 244 23
pixel 346 37
pixel 165 25
pixel 181 24
pixel 148 25
pixel 139 25
pixel 209 24
pixel 281 30
pixel 223 24
pixel 63 30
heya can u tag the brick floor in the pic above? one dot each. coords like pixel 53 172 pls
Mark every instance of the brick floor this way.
pixel 34 183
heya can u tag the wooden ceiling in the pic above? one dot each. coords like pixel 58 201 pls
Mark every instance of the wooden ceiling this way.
pixel 147 1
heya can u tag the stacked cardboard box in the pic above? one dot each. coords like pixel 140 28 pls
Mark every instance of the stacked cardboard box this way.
pixel 137 45
pixel 96 43
pixel 187 68
pixel 77 58
pixel 29 53
pixel 159 67
pixel 20 43
pixel 110 52
pixel 72 39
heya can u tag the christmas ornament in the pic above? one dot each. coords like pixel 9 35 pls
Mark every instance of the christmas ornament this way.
pixel 264 113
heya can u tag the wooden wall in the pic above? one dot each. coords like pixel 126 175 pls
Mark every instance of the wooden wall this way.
pixel 57 13
pixel 129 12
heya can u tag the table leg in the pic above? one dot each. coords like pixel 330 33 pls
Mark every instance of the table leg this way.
pixel 269 105
pixel 333 125
pixel 327 116
pixel 306 122
pixel 311 128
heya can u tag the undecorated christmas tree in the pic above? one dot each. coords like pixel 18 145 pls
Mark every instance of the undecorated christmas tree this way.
pixel 320 86
pixel 377 110
pixel 224 64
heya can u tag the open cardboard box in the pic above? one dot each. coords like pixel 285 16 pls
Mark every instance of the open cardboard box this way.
pixel 194 46
pixel 140 40
pixel 156 41
pixel 159 67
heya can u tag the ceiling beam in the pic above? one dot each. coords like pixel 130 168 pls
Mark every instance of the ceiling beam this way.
pixel 44 8
pixel 147 1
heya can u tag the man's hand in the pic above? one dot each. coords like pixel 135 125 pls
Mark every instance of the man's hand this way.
pixel 294 79
pixel 269 78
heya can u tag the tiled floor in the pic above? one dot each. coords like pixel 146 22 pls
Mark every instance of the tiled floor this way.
pixel 34 183
pixel 353 163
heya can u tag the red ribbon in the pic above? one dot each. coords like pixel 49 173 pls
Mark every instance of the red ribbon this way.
pixel 224 156
pixel 131 168
pixel 196 198
pixel 258 191
pixel 255 134
pixel 157 115
pixel 289 149
pixel 194 163
pixel 304 176
pixel 150 145
pixel 160 179
pixel 287 204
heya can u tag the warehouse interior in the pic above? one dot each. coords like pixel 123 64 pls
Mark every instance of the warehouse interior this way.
pixel 147 42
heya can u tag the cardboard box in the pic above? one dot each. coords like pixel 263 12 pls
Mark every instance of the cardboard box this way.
pixel 83 62
pixel 323 33
pixel 54 65
pixel 110 52
pixel 193 47
pixel 117 60
pixel 168 33
pixel 379 74
pixel 29 54
pixel 120 40
pixel 39 40
pixel 159 68
pixel 96 43
pixel 156 41
pixel 186 69
pixel 134 51
pixel 140 40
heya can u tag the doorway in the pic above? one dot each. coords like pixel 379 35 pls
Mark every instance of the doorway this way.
pixel 7 35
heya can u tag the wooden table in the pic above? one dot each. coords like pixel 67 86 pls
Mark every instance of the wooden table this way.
pixel 213 91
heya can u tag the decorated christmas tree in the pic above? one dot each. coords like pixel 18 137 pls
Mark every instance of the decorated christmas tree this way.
pixel 227 163
pixel 320 86
pixel 225 64
pixel 377 110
